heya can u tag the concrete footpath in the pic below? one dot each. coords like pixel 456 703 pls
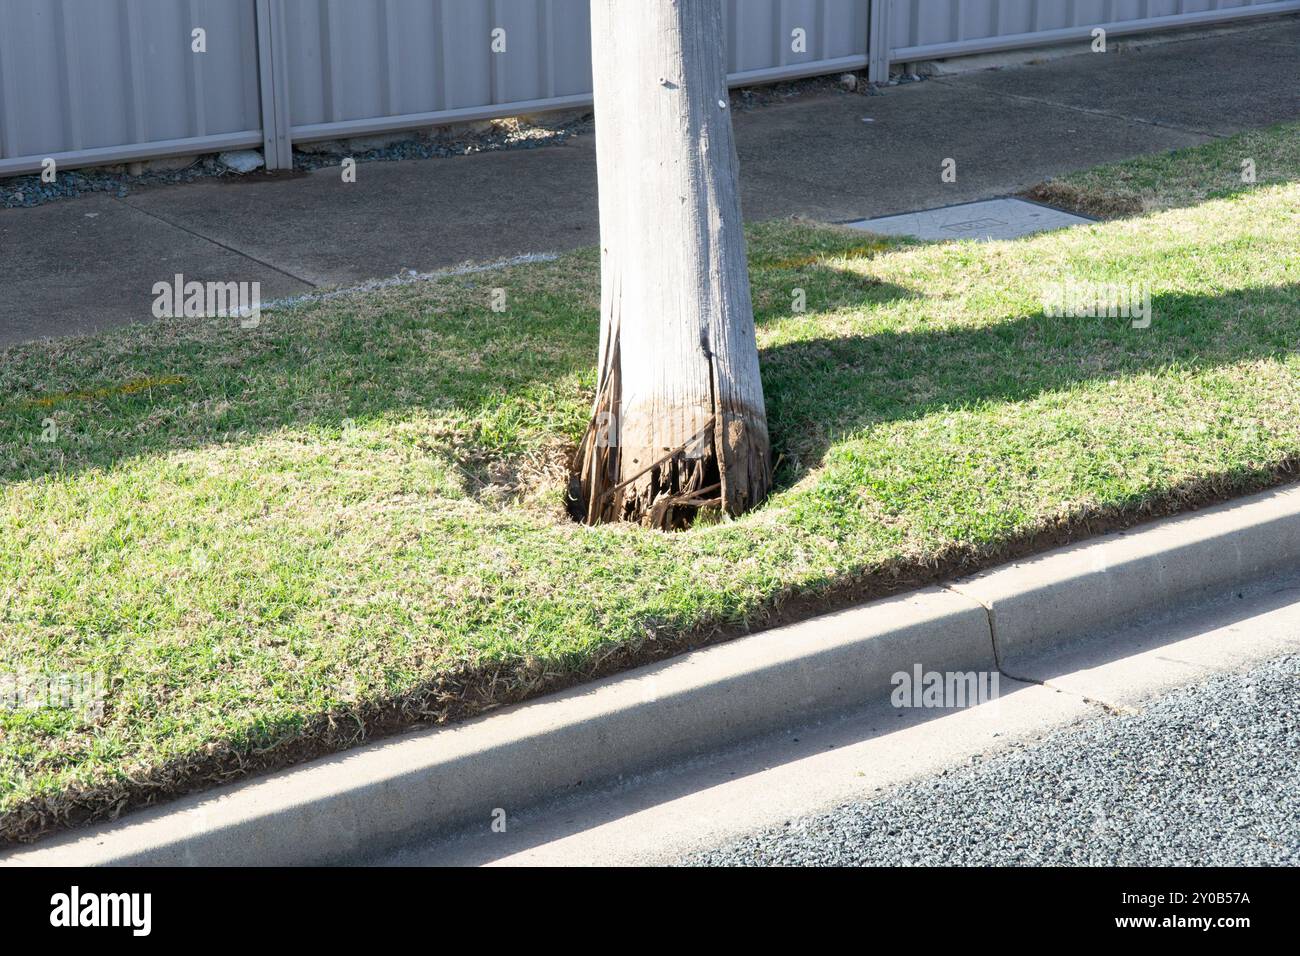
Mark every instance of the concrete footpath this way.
pixel 1022 622
pixel 83 264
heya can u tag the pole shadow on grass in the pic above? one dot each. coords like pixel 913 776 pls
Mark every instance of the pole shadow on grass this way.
pixel 183 384
pixel 822 390
pixel 185 391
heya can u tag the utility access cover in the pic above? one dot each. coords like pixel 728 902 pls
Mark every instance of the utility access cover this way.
pixel 990 219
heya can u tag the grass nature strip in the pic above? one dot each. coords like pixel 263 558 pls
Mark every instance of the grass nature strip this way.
pixel 348 520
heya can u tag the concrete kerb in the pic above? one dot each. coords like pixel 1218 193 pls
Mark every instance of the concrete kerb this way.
pixel 1065 595
pixel 396 790
pixel 378 796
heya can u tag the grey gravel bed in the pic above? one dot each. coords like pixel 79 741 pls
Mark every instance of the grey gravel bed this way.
pixel 1207 775
pixel 30 191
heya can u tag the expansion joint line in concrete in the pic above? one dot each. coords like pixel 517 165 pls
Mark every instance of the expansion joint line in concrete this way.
pixel 1208 134
pixel 1024 678
pixel 988 613
pixel 218 242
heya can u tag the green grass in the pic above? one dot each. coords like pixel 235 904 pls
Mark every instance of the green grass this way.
pixel 280 541
pixel 1181 177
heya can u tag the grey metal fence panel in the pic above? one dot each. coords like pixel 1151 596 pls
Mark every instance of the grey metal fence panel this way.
pixel 367 59
pixel 761 33
pixel 111 80
pixel 94 81
pixel 924 29
pixel 359 66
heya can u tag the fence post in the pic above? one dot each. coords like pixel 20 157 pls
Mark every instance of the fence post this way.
pixel 878 41
pixel 272 78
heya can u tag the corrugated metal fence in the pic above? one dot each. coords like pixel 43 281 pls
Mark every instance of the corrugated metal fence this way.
pixel 97 81
pixel 930 29
pixel 91 81
pixel 357 66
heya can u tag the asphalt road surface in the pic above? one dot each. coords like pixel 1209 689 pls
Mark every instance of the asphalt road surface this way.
pixel 1207 775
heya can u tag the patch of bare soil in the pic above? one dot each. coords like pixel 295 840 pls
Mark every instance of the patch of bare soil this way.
pixel 1097 205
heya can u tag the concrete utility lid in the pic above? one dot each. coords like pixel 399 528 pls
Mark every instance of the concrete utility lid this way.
pixel 989 219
